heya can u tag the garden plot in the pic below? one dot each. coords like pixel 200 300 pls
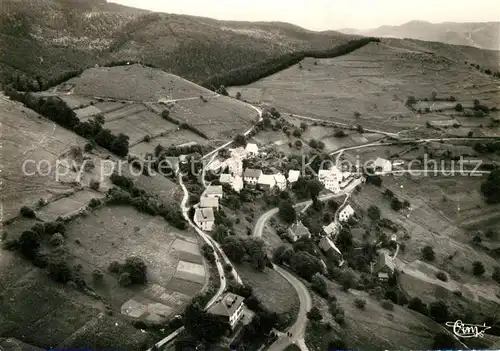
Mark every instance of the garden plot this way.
pixel 190 271
pixel 27 137
pixel 84 113
pixel 134 82
pixel 375 81
pixel 174 138
pixel 126 110
pixel 220 117
pixel 108 106
pixel 187 251
pixel 67 205
pixel 75 101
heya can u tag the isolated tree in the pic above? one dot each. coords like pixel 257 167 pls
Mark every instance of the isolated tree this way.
pixel 444 341
pixel 360 303
pixel 438 310
pixel 29 243
pixel 339 133
pixel 238 95
pixel 234 248
pixel 357 114
pixel 478 268
pixel 240 140
pixel 287 212
pixel 313 143
pixel 137 269
pixel 314 314
pixel 428 253
pixel 491 187
pixel 303 126
pixel 418 305
pixel 305 265
pixel 411 100
pixel 374 213
pixel 27 212
pixel 297 132
pixel 360 129
pixel 318 284
pixel 222 90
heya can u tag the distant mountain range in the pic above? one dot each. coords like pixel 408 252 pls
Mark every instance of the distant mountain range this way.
pixel 484 35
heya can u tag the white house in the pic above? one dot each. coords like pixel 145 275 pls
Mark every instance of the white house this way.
pixel 237 184
pixel 235 165
pixel 229 307
pixel 252 149
pixel 238 152
pixel 384 266
pixel 251 176
pixel 330 178
pixel 225 178
pixel 382 165
pixel 280 181
pixel 298 230
pixel 215 165
pixel 346 213
pixel 266 181
pixel 293 176
pixel 209 202
pixel 331 229
pixel 328 247
pixel 204 218
pixel 213 191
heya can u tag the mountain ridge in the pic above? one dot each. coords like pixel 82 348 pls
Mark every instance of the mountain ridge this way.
pixel 484 35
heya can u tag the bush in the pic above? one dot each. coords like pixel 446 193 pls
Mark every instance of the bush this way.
pixel 297 132
pixel 388 305
pixel 459 107
pixel 94 184
pixel 238 95
pixel 314 314
pixel 97 275
pixel 396 204
pixel 124 279
pixel 418 305
pixel 298 144
pixel 360 303
pixel 478 268
pixel 411 100
pixel 428 253
pixel 491 187
pixel 374 213
pixel 287 212
pixel 27 212
pixel 88 147
pixel 438 310
pixel 57 239
pixel 442 276
pixel 496 274
pixel 339 133
pixel 318 284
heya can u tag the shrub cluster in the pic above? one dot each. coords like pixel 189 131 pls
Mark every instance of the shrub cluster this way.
pixel 55 109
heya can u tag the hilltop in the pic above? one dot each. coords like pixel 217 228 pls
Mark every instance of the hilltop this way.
pixel 47 38
pixel 484 35
pixel 50 41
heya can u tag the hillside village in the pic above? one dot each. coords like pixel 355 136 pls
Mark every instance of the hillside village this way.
pixel 144 211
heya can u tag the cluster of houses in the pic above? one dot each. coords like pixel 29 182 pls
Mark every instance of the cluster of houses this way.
pixel 204 215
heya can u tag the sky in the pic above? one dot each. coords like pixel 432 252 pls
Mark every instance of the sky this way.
pixel 330 14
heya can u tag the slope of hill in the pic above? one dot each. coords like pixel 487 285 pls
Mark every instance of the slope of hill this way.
pixel 46 38
pixel 483 35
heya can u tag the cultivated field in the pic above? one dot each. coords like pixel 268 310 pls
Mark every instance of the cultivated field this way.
pixel 374 81
pixel 373 328
pixel 27 137
pixel 219 118
pixel 135 83
pixel 442 211
pixel 176 272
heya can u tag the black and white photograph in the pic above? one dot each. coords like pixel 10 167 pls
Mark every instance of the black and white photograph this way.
pixel 249 175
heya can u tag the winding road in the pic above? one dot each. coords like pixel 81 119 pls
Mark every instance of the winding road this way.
pixel 298 329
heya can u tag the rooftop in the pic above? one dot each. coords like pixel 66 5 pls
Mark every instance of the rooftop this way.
pixel 251 147
pixel 267 179
pixel 252 173
pixel 298 229
pixel 204 215
pixel 293 175
pixel 209 202
pixel 227 305
pixel 225 178
pixel 213 190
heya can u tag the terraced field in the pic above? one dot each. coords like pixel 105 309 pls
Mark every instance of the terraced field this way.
pixel 374 81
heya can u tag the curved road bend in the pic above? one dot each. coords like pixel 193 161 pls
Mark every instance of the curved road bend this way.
pixel 299 327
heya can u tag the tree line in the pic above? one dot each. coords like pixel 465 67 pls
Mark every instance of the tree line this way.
pixel 55 109
pixel 249 74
